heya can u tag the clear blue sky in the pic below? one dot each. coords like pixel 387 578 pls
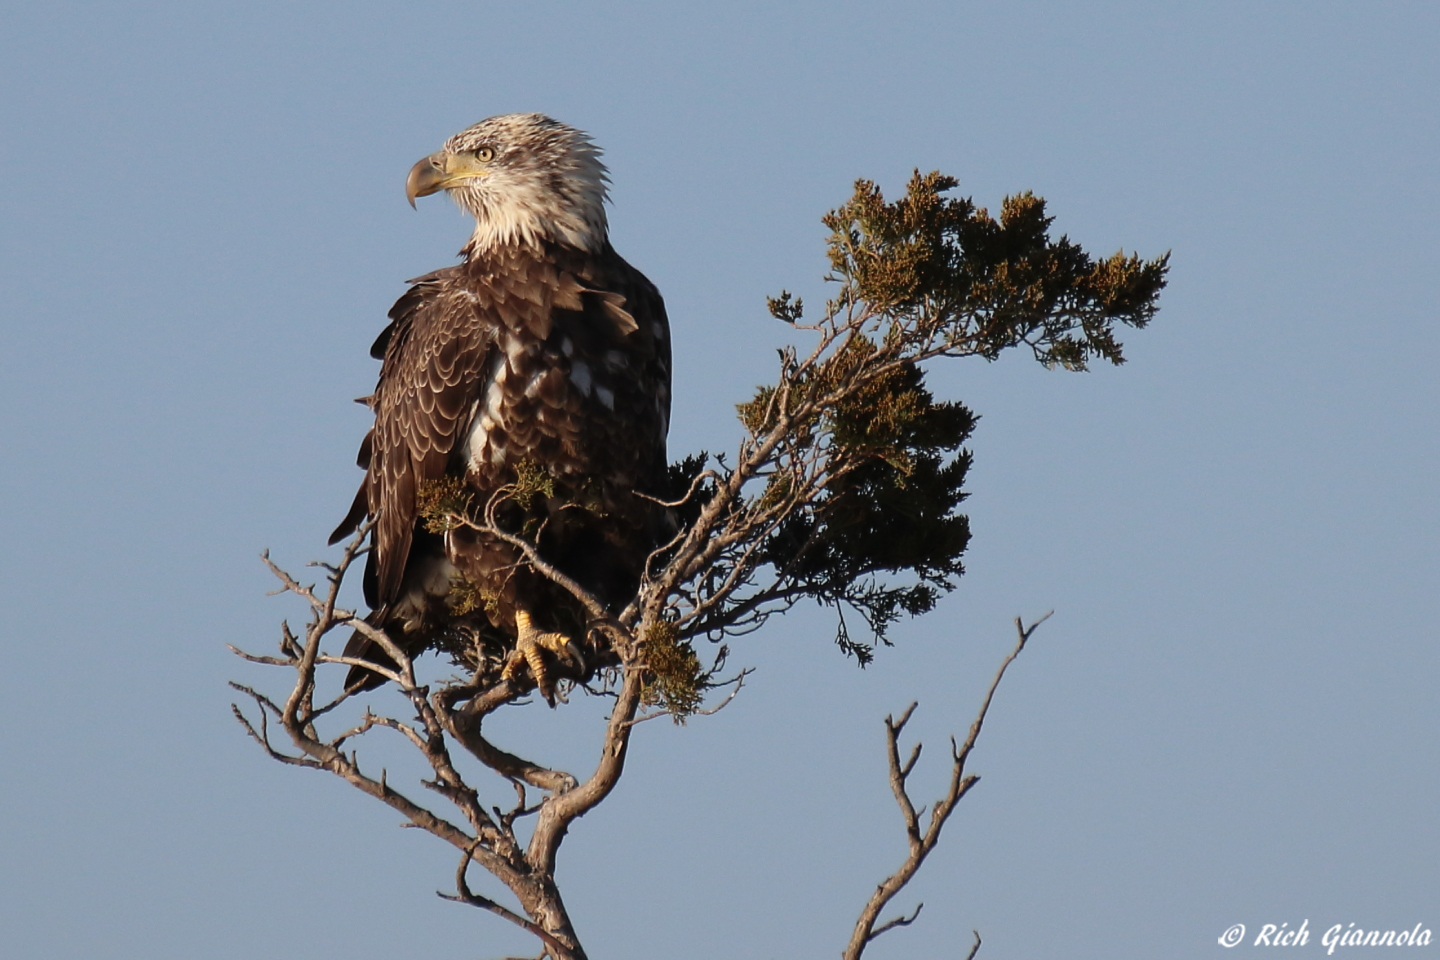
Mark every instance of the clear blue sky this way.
pixel 1232 717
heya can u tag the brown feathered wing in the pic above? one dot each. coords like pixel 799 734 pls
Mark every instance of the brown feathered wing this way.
pixel 555 360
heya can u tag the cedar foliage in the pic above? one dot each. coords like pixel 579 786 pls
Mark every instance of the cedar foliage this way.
pixel 862 467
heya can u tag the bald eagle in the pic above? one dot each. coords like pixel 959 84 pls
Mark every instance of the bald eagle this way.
pixel 538 368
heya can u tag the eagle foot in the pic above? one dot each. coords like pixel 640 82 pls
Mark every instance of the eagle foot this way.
pixel 530 646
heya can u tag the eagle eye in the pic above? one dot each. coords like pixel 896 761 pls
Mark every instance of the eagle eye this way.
pixel 485 154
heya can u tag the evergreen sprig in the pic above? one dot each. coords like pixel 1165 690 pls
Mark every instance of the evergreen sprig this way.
pixel 848 487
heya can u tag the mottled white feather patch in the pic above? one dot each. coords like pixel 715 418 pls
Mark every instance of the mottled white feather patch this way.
pixel 478 447
pixel 580 376
pixel 424 582
pixel 495 403
pixel 515 351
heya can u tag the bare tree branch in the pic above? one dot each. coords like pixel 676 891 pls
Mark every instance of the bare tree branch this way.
pixel 557 949
pixel 899 921
pixel 921 842
pixel 561 810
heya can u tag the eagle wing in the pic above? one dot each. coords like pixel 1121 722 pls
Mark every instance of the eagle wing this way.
pixel 572 351
pixel 434 355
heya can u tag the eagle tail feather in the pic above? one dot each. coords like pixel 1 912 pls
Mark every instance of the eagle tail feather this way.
pixel 359 510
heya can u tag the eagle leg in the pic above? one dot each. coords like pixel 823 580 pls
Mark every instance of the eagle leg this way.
pixel 530 644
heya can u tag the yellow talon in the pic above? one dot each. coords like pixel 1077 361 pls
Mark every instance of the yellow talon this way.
pixel 528 643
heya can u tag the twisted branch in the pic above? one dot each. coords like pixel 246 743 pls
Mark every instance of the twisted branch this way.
pixel 922 841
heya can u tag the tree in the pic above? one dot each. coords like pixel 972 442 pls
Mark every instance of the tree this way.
pixel 845 491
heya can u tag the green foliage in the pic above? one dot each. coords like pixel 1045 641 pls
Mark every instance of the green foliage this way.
pixel 862 468
pixel 890 510
pixel 941 266
pixel 531 480
pixel 680 476
pixel 674 677
pixel 465 598
pixel 442 503
pixel 447 502
pixel 785 307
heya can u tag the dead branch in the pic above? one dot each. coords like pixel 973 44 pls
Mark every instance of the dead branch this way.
pixel 556 949
pixel 558 812
pixel 922 841
pixel 455 713
pixel 464 725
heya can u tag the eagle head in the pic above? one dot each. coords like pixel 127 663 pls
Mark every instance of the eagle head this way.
pixel 525 178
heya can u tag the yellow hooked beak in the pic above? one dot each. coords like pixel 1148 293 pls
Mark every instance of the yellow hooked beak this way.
pixel 441 171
